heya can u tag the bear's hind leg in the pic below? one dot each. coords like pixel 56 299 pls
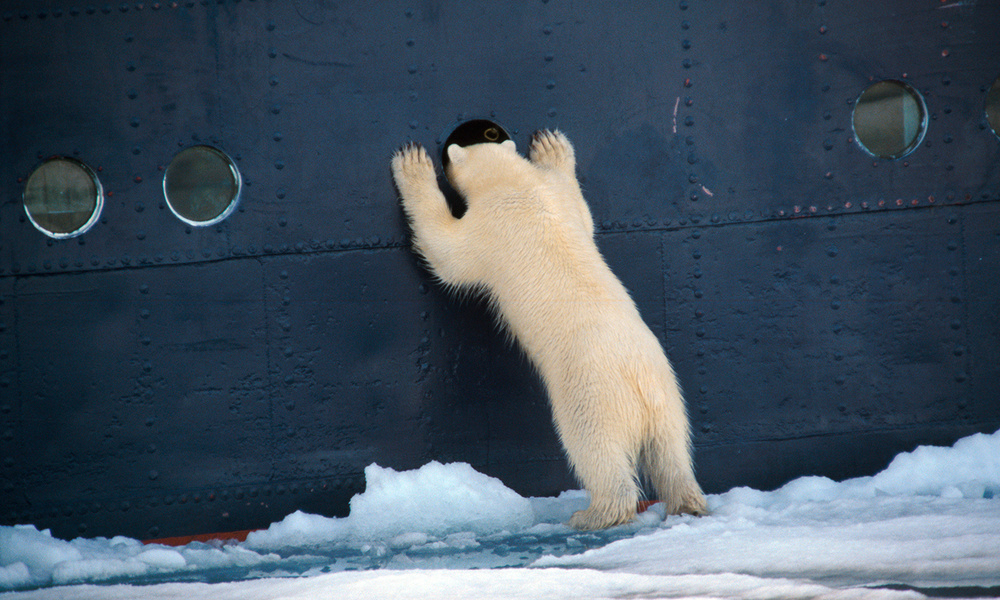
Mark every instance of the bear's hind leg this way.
pixel 610 478
pixel 667 465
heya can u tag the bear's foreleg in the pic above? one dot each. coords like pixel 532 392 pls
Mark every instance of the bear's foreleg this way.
pixel 437 235
pixel 551 151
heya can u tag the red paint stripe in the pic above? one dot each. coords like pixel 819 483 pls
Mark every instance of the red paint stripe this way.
pixel 241 536
pixel 236 536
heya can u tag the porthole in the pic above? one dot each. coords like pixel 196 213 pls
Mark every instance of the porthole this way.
pixel 202 185
pixel 63 197
pixel 890 119
pixel 993 107
pixel 477 131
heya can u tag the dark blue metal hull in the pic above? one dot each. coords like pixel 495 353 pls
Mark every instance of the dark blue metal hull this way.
pixel 824 309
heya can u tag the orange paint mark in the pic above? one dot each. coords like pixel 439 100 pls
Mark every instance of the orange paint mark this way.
pixel 236 536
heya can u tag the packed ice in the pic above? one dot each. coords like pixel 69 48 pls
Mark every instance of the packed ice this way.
pixel 929 524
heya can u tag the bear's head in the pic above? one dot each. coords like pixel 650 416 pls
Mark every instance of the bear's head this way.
pixel 482 166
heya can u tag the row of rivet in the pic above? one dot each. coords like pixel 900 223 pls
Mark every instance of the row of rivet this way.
pixel 246 495
pixel 127 261
pixel 832 251
pixel 107 9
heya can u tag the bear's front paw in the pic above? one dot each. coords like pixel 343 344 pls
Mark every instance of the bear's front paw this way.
pixel 412 167
pixel 551 149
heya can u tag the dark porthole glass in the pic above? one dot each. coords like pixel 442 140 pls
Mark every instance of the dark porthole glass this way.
pixel 63 197
pixel 993 107
pixel 890 119
pixel 202 185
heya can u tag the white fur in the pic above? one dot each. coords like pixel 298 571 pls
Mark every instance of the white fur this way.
pixel 527 241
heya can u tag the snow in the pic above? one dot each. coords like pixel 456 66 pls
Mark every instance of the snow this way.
pixel 928 524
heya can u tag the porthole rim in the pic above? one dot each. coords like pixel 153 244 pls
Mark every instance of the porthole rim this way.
pixel 98 203
pixel 924 120
pixel 233 169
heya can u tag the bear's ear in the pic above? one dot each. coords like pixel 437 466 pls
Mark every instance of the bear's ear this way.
pixel 508 145
pixel 456 153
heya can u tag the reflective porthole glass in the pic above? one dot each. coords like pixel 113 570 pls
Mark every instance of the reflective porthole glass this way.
pixel 63 197
pixel 890 119
pixel 202 185
pixel 993 107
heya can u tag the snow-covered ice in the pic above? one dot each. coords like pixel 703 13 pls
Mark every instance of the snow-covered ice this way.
pixel 929 524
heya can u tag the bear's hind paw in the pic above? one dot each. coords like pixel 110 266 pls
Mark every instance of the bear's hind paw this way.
pixel 592 519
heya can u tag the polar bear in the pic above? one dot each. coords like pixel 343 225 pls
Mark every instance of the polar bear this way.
pixel 526 240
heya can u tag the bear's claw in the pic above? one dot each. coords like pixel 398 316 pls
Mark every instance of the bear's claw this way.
pixel 552 150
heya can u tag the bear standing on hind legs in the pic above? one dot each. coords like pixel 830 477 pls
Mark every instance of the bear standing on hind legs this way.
pixel 527 241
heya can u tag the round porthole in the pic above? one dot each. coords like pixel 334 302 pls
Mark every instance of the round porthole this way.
pixel 890 119
pixel 202 185
pixel 63 197
pixel 477 131
pixel 993 107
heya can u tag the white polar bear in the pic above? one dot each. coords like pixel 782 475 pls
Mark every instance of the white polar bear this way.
pixel 526 240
